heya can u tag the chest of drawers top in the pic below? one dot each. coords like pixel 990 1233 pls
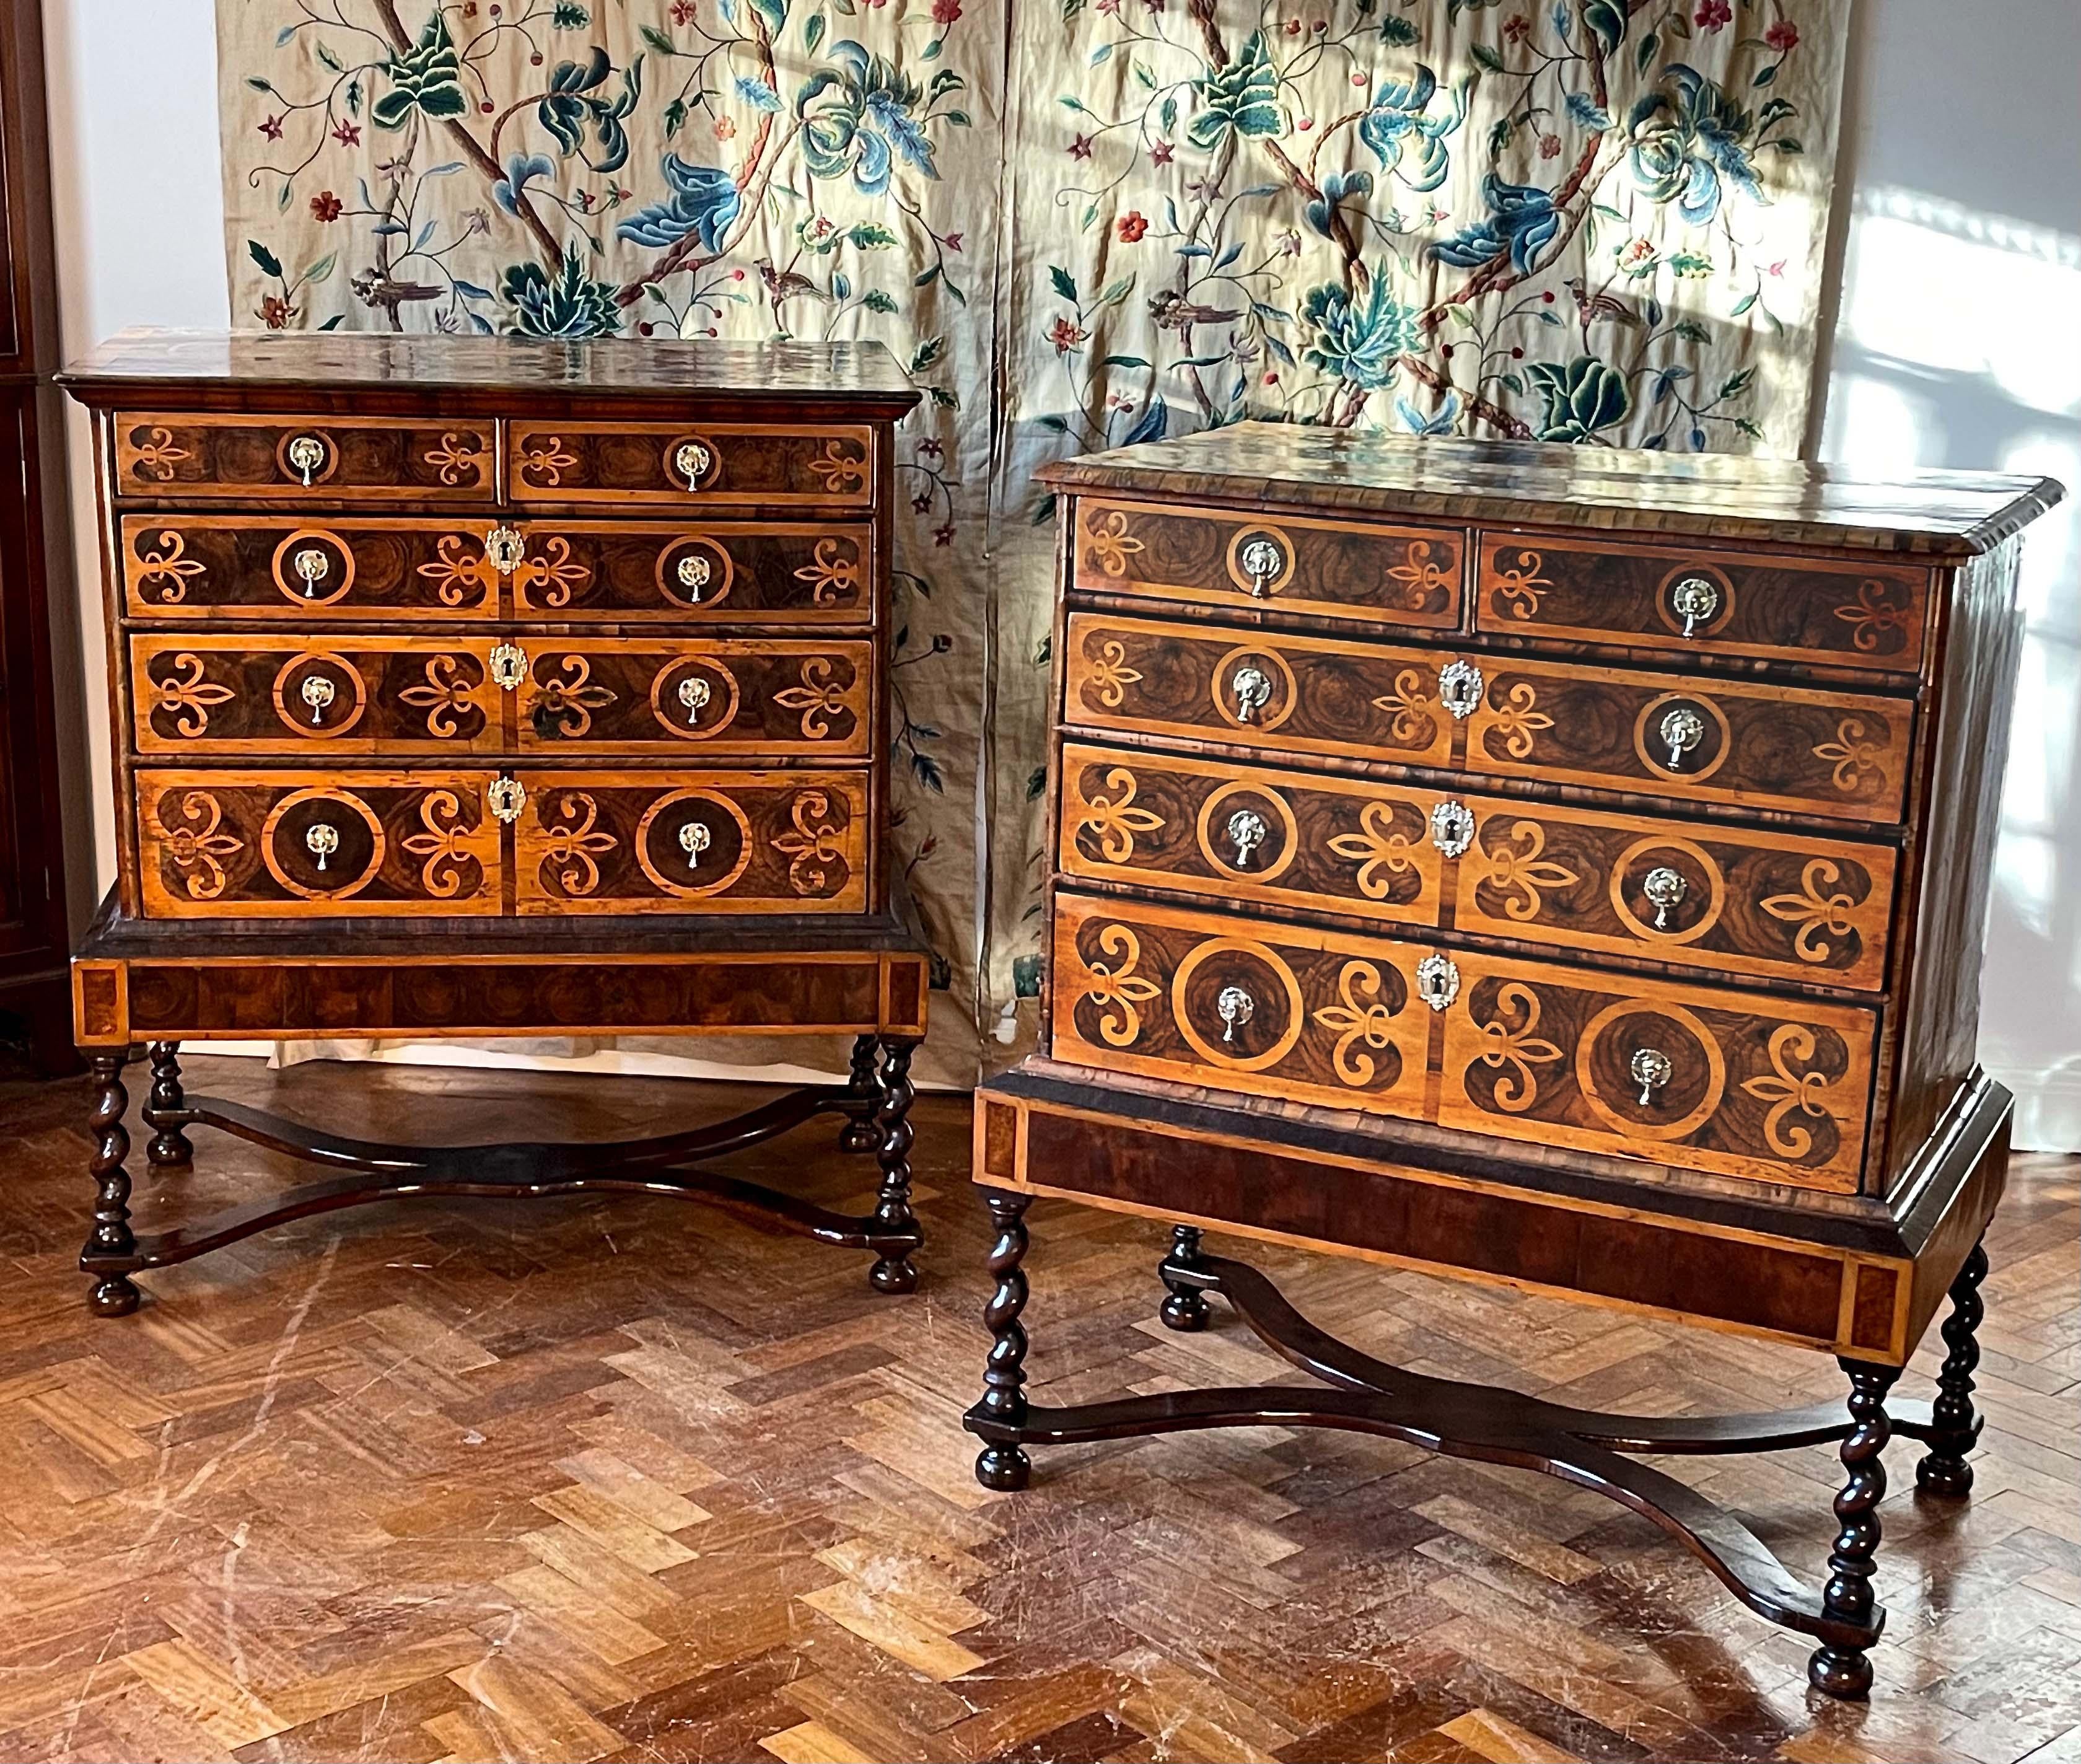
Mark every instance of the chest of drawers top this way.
pixel 1631 807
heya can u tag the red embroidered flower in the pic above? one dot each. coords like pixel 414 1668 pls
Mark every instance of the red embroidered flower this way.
pixel 275 312
pixel 1516 28
pixel 952 242
pixel 347 134
pixel 946 11
pixel 1549 146
pixel 1081 147
pixel 326 205
pixel 1132 225
pixel 943 535
pixel 1714 14
pixel 1065 335
pixel 1161 153
pixel 1783 37
pixel 271 128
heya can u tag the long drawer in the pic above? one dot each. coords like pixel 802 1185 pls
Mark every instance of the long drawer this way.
pixel 1840 755
pixel 310 568
pixel 255 844
pixel 1735 1084
pixel 1767 906
pixel 218 693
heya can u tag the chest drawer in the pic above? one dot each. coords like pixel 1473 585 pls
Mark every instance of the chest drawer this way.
pixel 284 844
pixel 277 567
pixel 310 459
pixel 723 842
pixel 212 694
pixel 1735 1084
pixel 690 699
pixel 685 576
pixel 682 465
pixel 1770 906
pixel 1390 575
pixel 1859 614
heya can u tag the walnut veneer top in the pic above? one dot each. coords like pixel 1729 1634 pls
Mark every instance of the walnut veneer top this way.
pixel 1942 514
pixel 342 361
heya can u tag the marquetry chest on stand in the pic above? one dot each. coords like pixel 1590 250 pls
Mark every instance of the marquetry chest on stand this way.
pixel 482 686
pixel 1559 867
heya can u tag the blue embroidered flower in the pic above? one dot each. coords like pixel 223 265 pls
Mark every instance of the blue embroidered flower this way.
pixel 1358 343
pixel 869 119
pixel 1689 143
pixel 704 200
pixel 1521 221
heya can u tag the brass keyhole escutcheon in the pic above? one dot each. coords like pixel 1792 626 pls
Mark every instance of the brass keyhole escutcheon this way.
pixel 503 549
pixel 505 797
pixel 508 664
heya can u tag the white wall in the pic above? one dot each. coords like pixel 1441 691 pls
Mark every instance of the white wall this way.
pixel 1959 344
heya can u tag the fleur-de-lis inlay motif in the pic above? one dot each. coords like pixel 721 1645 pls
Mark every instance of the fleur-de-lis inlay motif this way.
pixel 452 460
pixel 1517 591
pixel 1359 1015
pixel 186 696
pixel 818 698
pixel 1422 574
pixel 445 695
pixel 460 570
pixel 167 563
pixel 1873 614
pixel 1409 721
pixel 1509 1046
pixel 545 460
pixel 574 840
pixel 549 578
pixel 1786 1090
pixel 1115 819
pixel 1851 755
pixel 158 457
pixel 444 846
pixel 1108 677
pixel 831 577
pixel 1110 543
pixel 1814 911
pixel 195 843
pixel 570 699
pixel 816 845
pixel 1115 988
pixel 1520 875
pixel 1381 852
pixel 838 468
pixel 1518 720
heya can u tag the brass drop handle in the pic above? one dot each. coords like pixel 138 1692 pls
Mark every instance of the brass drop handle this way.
pixel 306 453
pixel 507 665
pixel 503 549
pixel 1650 1069
pixel 1694 600
pixel 692 461
pixel 1261 560
pixel 693 574
pixel 1665 889
pixel 1682 729
pixel 504 797
pixel 1246 832
pixel 1251 686
pixel 314 566
pixel 695 693
pixel 694 840
pixel 317 692
pixel 1234 1005
pixel 322 841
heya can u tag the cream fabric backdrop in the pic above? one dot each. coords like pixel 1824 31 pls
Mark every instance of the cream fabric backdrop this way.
pixel 1077 223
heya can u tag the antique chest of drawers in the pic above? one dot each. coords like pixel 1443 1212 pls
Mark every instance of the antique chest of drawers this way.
pixel 1559 867
pixel 478 686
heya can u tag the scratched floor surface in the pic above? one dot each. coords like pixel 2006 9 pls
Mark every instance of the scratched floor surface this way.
pixel 630 1479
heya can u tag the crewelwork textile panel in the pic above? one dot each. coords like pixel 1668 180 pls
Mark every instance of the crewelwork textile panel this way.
pixel 1077 223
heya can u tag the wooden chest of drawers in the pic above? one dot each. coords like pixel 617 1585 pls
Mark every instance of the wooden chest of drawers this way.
pixel 470 686
pixel 1560 868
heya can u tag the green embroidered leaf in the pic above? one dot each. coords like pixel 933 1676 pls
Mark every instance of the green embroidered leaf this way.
pixel 1064 284
pixel 1242 97
pixel 427 78
pixel 270 264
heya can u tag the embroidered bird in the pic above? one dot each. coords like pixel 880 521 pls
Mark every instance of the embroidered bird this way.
pixel 1590 308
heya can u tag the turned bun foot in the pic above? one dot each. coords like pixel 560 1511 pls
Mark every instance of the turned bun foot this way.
pixel 112 1296
pixel 1005 1468
pixel 859 1136
pixel 1842 1673
pixel 1950 1478
pixel 169 1150
pixel 1184 1311
pixel 892 1274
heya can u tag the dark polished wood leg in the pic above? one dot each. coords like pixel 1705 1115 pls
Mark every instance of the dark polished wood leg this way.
pixel 1846 1671
pixel 1956 1428
pixel 861 1133
pixel 112 1294
pixel 1185 1307
pixel 1002 1465
pixel 168 1147
pixel 892 1272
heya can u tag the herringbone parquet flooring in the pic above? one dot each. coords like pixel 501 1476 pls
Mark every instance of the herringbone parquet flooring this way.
pixel 632 1480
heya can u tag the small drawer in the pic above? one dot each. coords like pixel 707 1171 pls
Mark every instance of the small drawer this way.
pixel 745 842
pixel 689 699
pixel 1276 694
pixel 1385 575
pixel 1840 755
pixel 661 573
pixel 246 844
pixel 275 567
pixel 1238 1004
pixel 212 694
pixel 1736 1083
pixel 1768 906
pixel 303 459
pixel 1857 614
pixel 687 465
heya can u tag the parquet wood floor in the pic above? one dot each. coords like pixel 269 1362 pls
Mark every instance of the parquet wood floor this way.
pixel 635 1480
